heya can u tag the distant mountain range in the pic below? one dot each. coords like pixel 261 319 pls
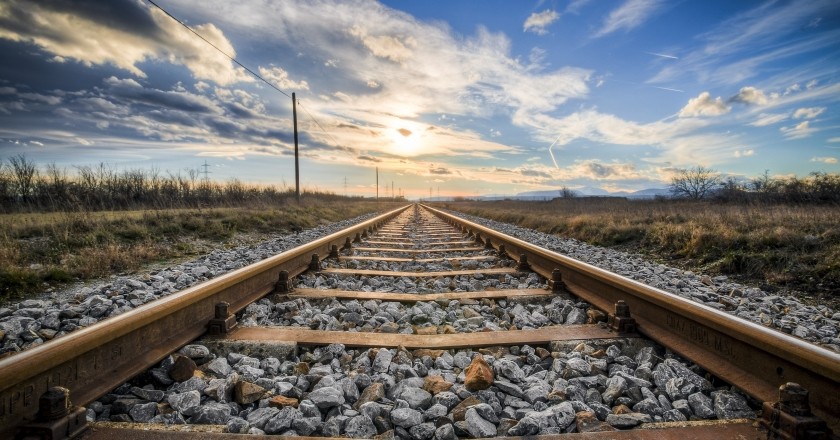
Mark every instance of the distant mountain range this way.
pixel 648 193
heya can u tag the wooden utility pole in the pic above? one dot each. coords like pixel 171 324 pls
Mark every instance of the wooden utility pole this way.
pixel 297 167
pixel 377 184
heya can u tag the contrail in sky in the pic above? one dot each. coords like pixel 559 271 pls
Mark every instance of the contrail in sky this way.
pixel 662 55
pixel 669 89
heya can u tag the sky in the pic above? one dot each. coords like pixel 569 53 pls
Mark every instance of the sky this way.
pixel 449 98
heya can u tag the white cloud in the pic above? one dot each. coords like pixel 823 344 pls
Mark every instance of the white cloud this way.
pixel 628 16
pixel 750 96
pixel 744 153
pixel 133 34
pixel 825 160
pixel 391 47
pixel 704 105
pixel 834 139
pixel 537 22
pixel 808 112
pixel 766 119
pixel 799 131
pixel 280 78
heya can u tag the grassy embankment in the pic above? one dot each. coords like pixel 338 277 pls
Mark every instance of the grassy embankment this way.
pixel 776 246
pixel 38 250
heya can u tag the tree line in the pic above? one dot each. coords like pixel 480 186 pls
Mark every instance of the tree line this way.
pixel 705 183
pixel 26 187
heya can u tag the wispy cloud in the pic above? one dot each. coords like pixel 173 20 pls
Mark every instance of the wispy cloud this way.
pixel 766 119
pixel 826 160
pixel 798 131
pixel 808 112
pixel 737 49
pixel 537 22
pixel 628 16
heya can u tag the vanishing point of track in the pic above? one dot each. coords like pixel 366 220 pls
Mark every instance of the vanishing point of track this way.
pixel 91 362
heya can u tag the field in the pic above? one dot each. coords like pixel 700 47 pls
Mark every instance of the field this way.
pixel 39 251
pixel 779 247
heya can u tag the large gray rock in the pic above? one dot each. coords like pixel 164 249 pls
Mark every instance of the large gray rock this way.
pixel 729 405
pixel 682 371
pixel 182 402
pixel 327 397
pixel 143 412
pixel 305 426
pixel 282 420
pixel 509 369
pixel 446 432
pixel 508 388
pixel 423 431
pixel 260 416
pixel 701 405
pixel 406 417
pixel 219 367
pixel 628 420
pixel 212 413
pixel 417 398
pixel 477 426
pixel 616 386
pixel 382 360
pixel 360 427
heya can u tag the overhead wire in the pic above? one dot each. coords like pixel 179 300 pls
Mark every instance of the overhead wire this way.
pixel 247 69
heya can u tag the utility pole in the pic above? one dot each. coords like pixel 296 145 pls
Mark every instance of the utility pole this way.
pixel 392 190
pixel 206 172
pixel 377 184
pixel 345 186
pixel 297 167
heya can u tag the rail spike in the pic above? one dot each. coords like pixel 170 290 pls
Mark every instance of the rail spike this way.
pixel 621 321
pixel 791 419
pixel 283 284
pixel 57 418
pixel 315 263
pixel 556 283
pixel 223 322
pixel 523 263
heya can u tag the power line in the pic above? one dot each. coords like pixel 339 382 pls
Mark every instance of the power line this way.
pixel 319 125
pixel 258 76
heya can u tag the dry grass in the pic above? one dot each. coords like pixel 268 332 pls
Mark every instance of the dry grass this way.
pixel 49 249
pixel 777 246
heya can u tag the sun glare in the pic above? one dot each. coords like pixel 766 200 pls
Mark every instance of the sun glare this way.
pixel 406 142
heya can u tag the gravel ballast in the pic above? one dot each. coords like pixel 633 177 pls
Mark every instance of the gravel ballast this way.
pixel 424 394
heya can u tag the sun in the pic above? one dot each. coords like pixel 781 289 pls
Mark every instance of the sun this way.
pixel 406 142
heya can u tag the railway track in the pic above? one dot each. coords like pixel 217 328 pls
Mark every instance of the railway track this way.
pixel 418 324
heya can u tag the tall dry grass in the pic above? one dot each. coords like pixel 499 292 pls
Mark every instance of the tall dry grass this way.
pixel 777 245
pixel 43 250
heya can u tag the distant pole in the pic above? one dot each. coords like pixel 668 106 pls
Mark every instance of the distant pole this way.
pixel 377 184
pixel 297 167
pixel 392 190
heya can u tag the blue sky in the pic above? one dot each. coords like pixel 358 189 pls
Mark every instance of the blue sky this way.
pixel 464 97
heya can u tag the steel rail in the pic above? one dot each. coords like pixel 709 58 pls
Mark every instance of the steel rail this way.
pixel 754 358
pixel 92 361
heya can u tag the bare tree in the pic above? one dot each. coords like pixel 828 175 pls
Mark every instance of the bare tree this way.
pixel 567 193
pixel 695 183
pixel 25 173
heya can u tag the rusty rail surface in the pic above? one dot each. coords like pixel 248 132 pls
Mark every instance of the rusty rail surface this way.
pixel 92 361
pixel 756 359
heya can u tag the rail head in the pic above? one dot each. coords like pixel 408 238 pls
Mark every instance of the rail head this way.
pixel 92 361
pixel 756 358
